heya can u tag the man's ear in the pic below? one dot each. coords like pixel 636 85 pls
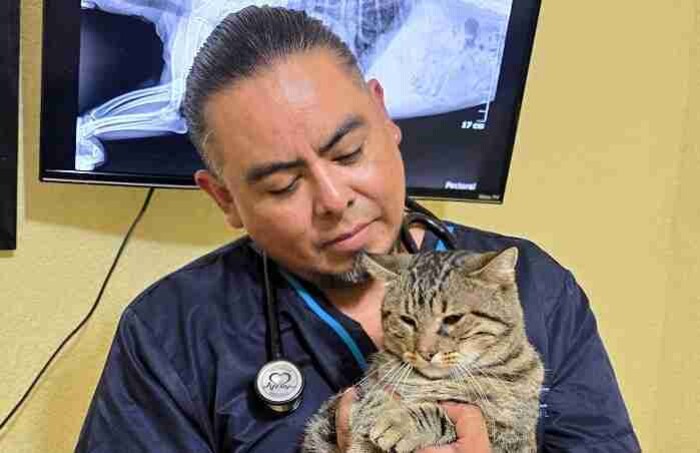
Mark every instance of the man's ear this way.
pixel 377 93
pixel 221 195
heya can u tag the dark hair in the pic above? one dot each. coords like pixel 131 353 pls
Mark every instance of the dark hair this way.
pixel 243 44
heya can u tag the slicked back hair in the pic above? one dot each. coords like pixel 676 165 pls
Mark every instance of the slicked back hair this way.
pixel 244 44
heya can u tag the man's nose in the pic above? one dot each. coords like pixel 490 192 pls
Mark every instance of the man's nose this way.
pixel 332 196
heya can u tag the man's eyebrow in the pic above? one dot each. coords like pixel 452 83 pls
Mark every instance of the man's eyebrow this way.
pixel 259 172
pixel 350 124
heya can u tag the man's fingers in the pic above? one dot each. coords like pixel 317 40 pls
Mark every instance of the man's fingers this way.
pixel 465 416
pixel 342 419
pixel 470 425
pixel 472 436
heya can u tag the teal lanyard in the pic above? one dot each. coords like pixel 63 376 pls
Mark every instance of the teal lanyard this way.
pixel 329 320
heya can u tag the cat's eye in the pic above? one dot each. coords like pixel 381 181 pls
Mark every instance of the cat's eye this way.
pixel 481 334
pixel 452 319
pixel 408 320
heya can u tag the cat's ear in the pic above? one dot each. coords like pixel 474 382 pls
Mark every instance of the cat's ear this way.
pixel 501 268
pixel 385 267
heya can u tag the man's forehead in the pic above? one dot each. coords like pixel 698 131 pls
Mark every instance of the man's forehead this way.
pixel 301 96
pixel 303 80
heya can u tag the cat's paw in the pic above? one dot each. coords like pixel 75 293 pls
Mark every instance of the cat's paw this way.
pixel 395 431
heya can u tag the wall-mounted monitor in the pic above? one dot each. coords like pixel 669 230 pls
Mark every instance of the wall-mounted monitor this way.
pixel 9 70
pixel 453 72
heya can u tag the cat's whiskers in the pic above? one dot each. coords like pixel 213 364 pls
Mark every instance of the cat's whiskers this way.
pixel 410 391
pixel 374 372
pixel 492 376
pixel 495 378
pixel 519 405
pixel 398 384
pixel 396 375
pixel 470 379
pixel 389 378
pixel 386 378
pixel 470 386
pixel 456 375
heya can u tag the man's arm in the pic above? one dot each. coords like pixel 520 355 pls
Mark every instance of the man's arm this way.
pixel 584 410
pixel 470 426
pixel 140 404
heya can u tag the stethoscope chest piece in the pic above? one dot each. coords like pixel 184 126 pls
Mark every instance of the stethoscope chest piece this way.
pixel 279 384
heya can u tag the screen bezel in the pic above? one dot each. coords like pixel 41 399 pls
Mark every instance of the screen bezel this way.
pixel 9 96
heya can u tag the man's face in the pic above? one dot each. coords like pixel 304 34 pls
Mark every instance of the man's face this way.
pixel 310 164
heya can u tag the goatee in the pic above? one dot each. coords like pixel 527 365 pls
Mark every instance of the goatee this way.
pixel 356 275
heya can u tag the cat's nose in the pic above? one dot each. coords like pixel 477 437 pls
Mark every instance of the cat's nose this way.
pixel 427 354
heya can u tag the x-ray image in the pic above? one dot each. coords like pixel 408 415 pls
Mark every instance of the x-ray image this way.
pixel 453 72
pixel 449 51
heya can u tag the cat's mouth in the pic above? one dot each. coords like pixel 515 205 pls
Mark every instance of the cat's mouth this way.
pixel 434 371
pixel 439 366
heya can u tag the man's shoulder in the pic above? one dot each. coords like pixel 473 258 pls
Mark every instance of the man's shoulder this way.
pixel 478 240
pixel 208 282
pixel 536 268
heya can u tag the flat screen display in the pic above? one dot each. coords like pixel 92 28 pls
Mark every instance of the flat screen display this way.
pixel 453 72
pixel 9 68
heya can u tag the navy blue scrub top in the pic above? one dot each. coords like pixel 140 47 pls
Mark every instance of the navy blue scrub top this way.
pixel 179 374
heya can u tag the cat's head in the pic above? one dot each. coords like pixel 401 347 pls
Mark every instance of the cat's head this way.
pixel 443 311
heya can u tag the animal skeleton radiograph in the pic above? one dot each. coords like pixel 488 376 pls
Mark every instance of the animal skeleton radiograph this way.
pixel 449 52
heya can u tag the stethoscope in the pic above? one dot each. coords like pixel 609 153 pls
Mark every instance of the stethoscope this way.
pixel 279 384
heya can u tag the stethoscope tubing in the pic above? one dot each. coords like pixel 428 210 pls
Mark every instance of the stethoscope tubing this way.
pixel 283 402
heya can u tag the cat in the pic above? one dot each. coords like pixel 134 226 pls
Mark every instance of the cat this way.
pixel 453 331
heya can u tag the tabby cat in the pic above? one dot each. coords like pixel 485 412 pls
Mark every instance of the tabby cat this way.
pixel 453 330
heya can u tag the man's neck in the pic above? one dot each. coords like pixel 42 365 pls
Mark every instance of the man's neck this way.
pixel 362 302
pixel 417 233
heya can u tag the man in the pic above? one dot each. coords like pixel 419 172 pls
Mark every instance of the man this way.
pixel 301 152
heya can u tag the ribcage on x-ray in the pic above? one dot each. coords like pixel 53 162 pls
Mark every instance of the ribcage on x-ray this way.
pixel 363 20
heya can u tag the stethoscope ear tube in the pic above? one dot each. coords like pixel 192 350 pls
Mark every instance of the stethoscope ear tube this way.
pixel 279 383
pixel 273 325
pixel 418 214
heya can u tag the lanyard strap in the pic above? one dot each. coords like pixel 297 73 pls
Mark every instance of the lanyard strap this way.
pixel 440 246
pixel 329 320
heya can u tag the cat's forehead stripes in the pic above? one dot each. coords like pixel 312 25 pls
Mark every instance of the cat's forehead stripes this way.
pixel 433 266
pixel 427 278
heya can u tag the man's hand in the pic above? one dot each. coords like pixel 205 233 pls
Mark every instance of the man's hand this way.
pixel 472 436
pixel 342 419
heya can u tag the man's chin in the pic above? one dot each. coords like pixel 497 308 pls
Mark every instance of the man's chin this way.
pixel 354 275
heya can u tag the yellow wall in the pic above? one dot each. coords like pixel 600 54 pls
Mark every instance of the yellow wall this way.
pixel 604 176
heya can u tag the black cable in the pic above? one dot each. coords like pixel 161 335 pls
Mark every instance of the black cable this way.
pixel 92 309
